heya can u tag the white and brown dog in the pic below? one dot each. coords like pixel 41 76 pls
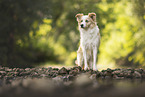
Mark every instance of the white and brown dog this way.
pixel 89 41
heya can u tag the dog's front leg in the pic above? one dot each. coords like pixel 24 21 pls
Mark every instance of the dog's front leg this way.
pixel 80 57
pixel 85 59
pixel 94 57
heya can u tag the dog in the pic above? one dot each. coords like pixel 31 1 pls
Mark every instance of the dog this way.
pixel 89 41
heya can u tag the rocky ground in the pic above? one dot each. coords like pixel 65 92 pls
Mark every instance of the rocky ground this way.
pixel 73 82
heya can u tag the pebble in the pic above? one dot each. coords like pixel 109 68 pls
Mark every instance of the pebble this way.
pixel 62 71
pixel 93 77
pixel 137 75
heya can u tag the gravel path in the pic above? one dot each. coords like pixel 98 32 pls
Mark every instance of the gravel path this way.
pixel 73 82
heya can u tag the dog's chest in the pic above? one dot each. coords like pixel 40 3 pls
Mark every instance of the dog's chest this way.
pixel 90 38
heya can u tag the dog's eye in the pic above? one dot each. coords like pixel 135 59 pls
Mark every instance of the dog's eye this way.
pixel 87 21
pixel 81 20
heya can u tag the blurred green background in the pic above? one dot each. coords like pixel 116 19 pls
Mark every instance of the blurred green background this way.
pixel 41 32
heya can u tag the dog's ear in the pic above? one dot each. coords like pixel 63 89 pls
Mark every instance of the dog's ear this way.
pixel 92 16
pixel 78 16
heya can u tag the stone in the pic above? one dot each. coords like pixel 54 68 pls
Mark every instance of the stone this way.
pixel 27 69
pixel 140 70
pixel 53 73
pixel 58 78
pixel 120 74
pixel 8 70
pixel 2 73
pixel 25 73
pixel 73 72
pixel 62 71
pixel 70 77
pixel 78 68
pixel 109 70
pixel 93 77
pixel 137 75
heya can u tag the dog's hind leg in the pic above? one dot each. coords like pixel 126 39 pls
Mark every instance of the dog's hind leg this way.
pixel 94 57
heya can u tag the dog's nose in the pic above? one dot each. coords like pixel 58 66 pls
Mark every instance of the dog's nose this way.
pixel 82 26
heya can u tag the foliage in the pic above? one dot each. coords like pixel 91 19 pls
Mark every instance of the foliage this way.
pixel 17 19
pixel 120 43
pixel 39 31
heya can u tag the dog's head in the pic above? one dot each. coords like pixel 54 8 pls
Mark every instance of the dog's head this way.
pixel 86 21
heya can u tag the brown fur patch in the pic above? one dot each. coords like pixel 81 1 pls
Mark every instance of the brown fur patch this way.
pixel 78 16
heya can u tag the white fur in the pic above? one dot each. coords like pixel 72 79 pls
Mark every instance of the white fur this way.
pixel 84 18
pixel 89 44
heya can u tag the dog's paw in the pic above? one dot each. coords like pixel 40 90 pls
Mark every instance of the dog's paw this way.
pixel 86 68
